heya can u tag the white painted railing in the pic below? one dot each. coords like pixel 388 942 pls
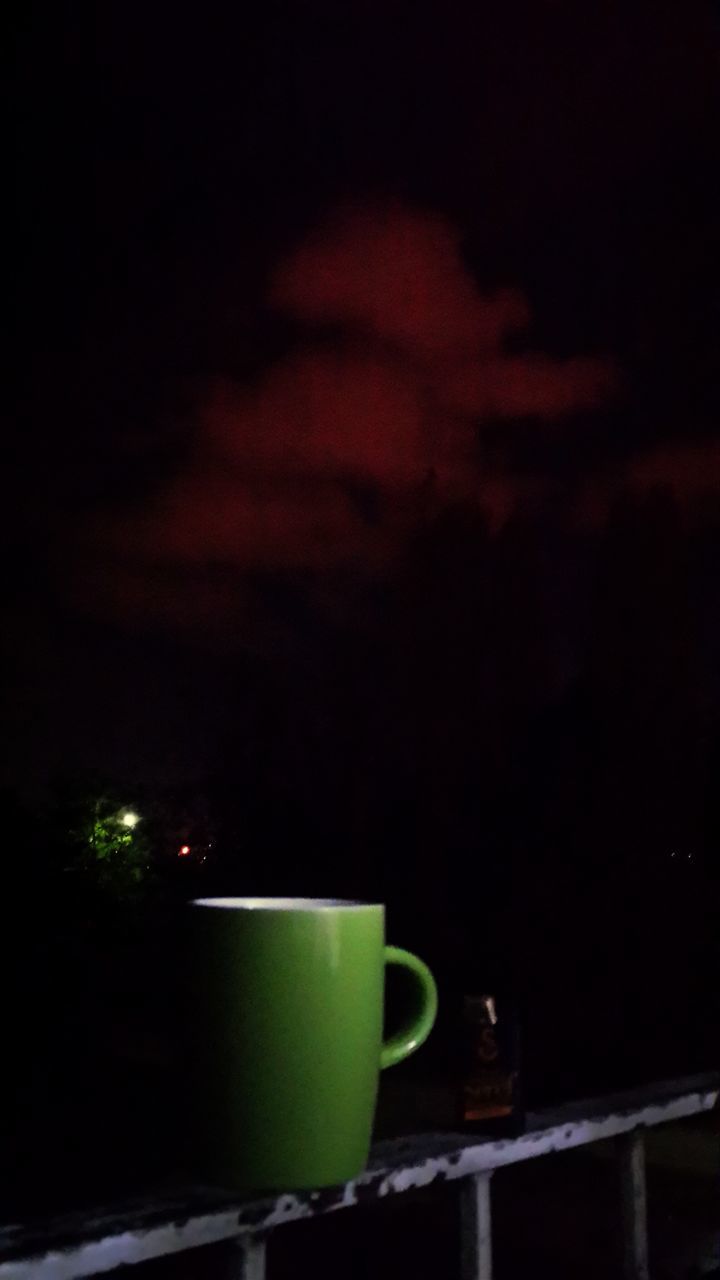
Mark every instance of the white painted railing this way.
pixel 91 1243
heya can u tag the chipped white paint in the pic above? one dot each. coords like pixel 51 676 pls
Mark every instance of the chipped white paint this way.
pixel 493 1155
pixel 128 1247
pixel 393 1171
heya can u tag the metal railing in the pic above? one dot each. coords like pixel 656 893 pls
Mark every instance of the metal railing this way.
pixel 87 1244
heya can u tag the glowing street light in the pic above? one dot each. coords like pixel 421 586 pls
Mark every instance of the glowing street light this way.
pixel 129 819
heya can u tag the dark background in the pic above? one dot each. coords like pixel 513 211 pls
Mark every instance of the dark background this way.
pixel 498 712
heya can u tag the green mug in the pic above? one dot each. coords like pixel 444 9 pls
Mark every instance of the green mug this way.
pixel 287 1030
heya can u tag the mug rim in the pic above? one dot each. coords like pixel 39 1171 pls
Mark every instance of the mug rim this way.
pixel 285 904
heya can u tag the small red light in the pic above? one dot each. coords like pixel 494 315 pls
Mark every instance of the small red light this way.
pixel 183 851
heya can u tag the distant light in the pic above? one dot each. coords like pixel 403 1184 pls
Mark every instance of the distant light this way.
pixel 129 819
pixel 183 851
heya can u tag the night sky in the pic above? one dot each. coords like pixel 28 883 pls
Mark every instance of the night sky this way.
pixel 315 301
pixel 362 497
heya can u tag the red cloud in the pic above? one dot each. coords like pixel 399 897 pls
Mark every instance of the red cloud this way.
pixel 397 275
pixel 220 517
pixel 391 392
pixel 690 471
pixel 519 386
pixel 326 413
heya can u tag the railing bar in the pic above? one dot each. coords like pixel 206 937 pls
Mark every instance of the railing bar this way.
pixel 631 1153
pixel 476 1228
pixel 83 1245
pixel 246 1260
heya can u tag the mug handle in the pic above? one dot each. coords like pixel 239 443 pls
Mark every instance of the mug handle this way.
pixel 420 1022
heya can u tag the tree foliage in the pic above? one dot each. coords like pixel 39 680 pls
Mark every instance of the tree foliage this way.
pixel 106 850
